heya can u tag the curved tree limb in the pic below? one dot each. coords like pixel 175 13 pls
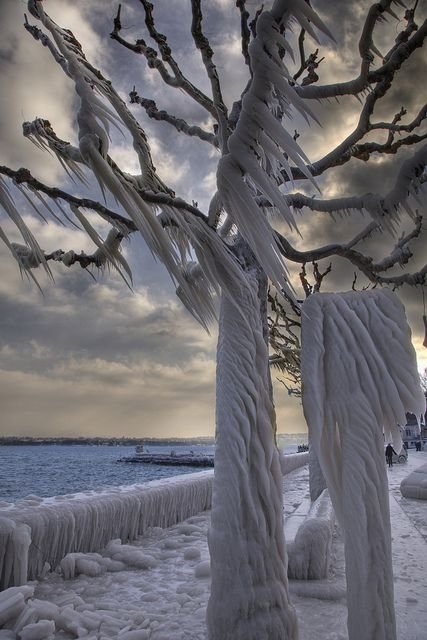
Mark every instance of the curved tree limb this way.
pixel 180 124
pixel 177 78
pixel 367 77
pixel 202 43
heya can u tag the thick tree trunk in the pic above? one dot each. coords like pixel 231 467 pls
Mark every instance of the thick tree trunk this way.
pixel 249 595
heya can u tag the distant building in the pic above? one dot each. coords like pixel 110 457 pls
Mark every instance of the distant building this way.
pixel 412 432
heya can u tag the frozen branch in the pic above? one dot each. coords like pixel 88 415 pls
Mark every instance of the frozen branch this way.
pixel 107 254
pixel 179 123
pixel 202 43
pixel 367 77
pixel 383 209
pixel 23 176
pixel 46 42
pixel 72 47
pixel 349 148
pixel 400 255
pixel 244 29
pixel 399 128
pixel 177 79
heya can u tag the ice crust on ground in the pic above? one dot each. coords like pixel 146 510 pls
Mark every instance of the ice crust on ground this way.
pixel 168 601
pixel 360 378
pixel 415 485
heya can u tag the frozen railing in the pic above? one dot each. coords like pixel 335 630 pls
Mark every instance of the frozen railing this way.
pixel 88 521
pixel 37 533
pixel 291 461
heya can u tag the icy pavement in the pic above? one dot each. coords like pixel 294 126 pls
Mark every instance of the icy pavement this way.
pixel 157 587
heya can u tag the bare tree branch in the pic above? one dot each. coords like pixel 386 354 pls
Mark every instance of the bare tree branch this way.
pixel 179 123
pixel 177 80
pixel 244 29
pixel 202 43
pixel 400 255
pixel 397 57
pixel 23 176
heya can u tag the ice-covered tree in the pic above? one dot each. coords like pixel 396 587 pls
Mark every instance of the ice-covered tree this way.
pixel 234 248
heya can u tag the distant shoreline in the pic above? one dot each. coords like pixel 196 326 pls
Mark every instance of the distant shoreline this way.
pixel 111 442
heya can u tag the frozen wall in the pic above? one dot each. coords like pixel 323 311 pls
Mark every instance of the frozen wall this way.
pixel 35 531
pixel 88 521
pixel 291 461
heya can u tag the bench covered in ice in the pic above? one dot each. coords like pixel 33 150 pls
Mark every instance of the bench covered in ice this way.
pixel 415 485
pixel 308 534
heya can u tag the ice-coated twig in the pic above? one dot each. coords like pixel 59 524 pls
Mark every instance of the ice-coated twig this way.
pixel 177 79
pixel 202 43
pixel 400 255
pixel 367 75
pixel 244 29
pixel 180 124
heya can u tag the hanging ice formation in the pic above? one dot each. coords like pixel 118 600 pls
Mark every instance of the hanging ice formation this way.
pixel 359 379
pixel 99 107
pixel 259 148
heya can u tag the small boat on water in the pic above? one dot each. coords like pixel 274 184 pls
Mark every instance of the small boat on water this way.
pixel 173 459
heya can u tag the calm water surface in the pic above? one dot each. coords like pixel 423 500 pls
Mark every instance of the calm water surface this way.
pixel 50 470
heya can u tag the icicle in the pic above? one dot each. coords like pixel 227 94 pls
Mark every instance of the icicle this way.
pixel 424 319
pixel 7 203
pixel 108 250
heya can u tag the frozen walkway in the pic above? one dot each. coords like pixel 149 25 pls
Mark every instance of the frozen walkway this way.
pixel 157 588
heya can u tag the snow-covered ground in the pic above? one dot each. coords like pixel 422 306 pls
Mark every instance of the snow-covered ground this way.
pixel 157 587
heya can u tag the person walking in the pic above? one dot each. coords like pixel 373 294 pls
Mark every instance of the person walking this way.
pixel 389 454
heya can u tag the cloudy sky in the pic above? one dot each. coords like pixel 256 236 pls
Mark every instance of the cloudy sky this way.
pixel 93 358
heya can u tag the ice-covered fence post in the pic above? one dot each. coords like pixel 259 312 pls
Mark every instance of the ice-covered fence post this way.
pixel 249 594
pixel 359 378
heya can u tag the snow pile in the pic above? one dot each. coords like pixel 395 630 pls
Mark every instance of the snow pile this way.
pixel 309 550
pixel 88 521
pixel 155 588
pixel 360 378
pixel 415 485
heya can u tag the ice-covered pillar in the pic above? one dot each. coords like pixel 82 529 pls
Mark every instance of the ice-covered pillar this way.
pixel 249 593
pixel 317 480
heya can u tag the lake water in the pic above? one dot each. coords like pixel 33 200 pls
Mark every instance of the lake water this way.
pixel 48 469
